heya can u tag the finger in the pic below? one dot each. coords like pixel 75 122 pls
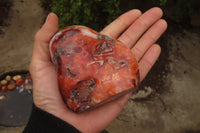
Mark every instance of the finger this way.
pixel 42 38
pixel 149 38
pixel 114 29
pixel 133 33
pixel 148 60
pixel 49 28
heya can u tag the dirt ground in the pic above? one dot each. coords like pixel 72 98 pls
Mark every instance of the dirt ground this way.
pixel 174 108
pixel 16 41
pixel 169 98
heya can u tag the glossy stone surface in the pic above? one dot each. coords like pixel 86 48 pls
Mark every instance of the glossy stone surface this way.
pixel 93 69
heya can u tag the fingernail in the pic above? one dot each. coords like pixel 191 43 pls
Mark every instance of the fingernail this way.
pixel 48 17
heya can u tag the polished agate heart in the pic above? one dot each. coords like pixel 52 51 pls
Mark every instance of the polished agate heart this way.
pixel 92 68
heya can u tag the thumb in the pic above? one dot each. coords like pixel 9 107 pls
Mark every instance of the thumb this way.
pixel 42 38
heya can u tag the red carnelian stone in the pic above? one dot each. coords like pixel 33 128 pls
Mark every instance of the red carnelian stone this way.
pixel 92 68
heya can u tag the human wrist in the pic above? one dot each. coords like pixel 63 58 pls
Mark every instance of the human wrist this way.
pixel 42 121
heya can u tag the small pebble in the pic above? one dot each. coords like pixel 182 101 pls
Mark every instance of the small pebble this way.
pixel 14 77
pixel 26 81
pixel 8 77
pixel 21 90
pixel 20 81
pixel 4 88
pixel 11 86
pixel 18 77
pixel 4 82
pixel 2 97
pixel 28 86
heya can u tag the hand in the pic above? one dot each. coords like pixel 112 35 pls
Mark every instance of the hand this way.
pixel 140 32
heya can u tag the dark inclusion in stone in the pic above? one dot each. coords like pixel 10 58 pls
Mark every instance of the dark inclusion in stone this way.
pixel 83 90
pixel 68 33
pixel 103 47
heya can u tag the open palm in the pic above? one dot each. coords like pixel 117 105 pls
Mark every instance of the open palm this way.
pixel 140 32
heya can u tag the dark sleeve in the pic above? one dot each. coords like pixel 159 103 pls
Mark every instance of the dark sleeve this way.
pixel 43 122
